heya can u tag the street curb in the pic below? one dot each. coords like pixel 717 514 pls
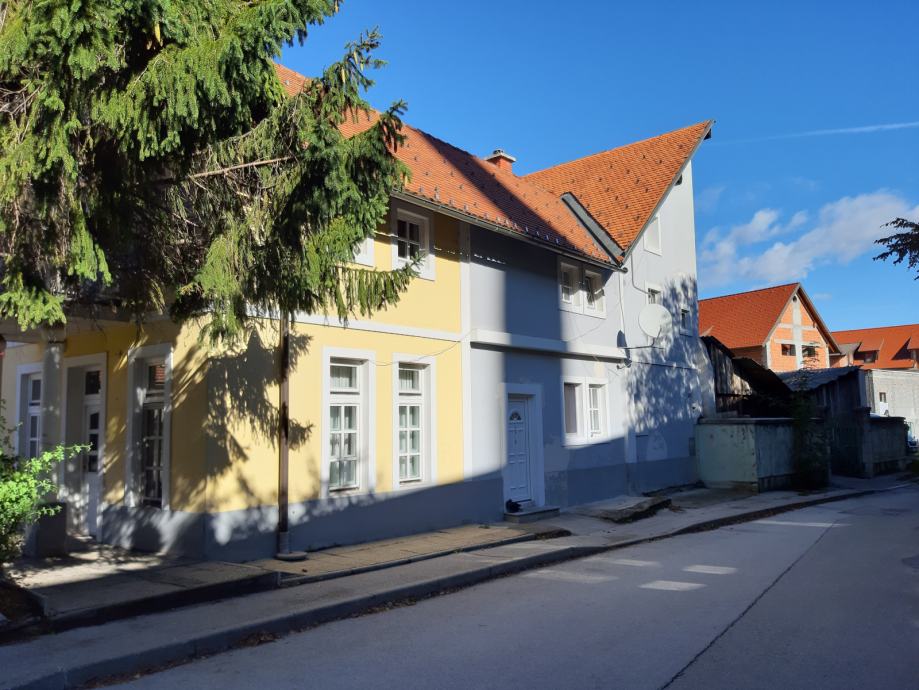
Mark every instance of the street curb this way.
pixel 288 580
pixel 224 640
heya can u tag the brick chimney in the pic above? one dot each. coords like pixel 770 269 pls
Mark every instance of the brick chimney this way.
pixel 502 159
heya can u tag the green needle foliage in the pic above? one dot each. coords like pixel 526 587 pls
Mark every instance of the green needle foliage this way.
pixel 903 245
pixel 151 159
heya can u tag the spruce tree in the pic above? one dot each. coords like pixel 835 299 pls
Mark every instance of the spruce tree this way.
pixel 150 157
pixel 901 246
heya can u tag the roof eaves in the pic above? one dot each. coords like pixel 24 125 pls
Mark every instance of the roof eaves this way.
pixel 778 318
pixel 705 134
pixel 827 334
pixel 452 211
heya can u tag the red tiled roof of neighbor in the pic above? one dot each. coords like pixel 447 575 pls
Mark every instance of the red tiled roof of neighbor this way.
pixel 622 187
pixel 894 349
pixel 746 318
pixel 455 179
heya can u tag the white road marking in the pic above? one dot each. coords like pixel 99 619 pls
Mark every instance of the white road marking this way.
pixel 672 585
pixel 710 569
pixel 568 576
pixel 789 523
pixel 632 562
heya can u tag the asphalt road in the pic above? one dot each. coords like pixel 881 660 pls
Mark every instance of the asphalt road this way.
pixel 825 597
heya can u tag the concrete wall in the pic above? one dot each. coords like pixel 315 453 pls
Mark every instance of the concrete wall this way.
pixel 902 392
pixel 749 453
pixel 884 445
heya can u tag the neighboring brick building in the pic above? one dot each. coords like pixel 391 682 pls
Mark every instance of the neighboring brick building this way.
pixel 779 327
pixel 887 347
pixel 891 355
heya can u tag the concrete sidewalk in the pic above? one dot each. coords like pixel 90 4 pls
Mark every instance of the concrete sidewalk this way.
pixel 98 583
pixel 133 645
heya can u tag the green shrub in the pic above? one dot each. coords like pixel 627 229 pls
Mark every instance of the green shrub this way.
pixel 25 484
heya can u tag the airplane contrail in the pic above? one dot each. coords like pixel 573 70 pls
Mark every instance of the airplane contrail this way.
pixel 866 129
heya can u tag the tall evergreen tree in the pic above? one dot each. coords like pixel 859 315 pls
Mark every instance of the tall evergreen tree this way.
pixel 150 156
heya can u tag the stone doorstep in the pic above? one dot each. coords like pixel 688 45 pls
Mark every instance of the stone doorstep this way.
pixel 531 514
pixel 627 509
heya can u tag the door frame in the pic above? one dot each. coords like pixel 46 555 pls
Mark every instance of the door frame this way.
pixel 99 360
pixel 533 394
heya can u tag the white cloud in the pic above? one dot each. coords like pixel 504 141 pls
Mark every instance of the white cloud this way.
pixel 708 198
pixel 842 231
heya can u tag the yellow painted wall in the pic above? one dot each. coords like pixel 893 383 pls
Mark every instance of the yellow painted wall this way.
pixel 189 399
pixel 224 420
pixel 243 453
pixel 244 457
pixel 433 304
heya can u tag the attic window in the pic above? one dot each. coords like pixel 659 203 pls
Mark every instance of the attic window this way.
pixel 788 349
pixel 679 181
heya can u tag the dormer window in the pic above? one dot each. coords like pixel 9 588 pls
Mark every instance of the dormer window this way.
pixel 581 289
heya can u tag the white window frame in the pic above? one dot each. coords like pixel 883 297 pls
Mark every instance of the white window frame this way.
pixel 599 307
pixel 575 303
pixel 366 402
pixel 655 288
pixel 602 429
pixel 426 236
pixel 138 360
pixel 341 398
pixel 585 434
pixel 578 383
pixel 649 246
pixel 24 374
pixel 578 303
pixel 428 401
pixel 364 251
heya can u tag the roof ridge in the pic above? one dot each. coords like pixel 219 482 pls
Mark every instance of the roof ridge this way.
pixel 618 148
pixel 747 292
pixel 875 328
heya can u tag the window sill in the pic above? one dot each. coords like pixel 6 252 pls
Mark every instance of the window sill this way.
pixel 580 441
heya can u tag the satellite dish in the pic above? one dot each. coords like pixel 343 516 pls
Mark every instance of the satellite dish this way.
pixel 654 320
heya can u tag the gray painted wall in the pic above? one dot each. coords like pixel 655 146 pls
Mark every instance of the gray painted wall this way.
pixel 654 395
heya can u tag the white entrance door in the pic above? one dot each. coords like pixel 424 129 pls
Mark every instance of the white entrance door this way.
pixel 517 484
pixel 92 477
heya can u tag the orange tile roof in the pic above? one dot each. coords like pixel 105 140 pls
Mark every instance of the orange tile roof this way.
pixel 455 179
pixel 746 318
pixel 622 187
pixel 894 349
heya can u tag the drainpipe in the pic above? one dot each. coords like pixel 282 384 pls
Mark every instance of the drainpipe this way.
pixel 283 551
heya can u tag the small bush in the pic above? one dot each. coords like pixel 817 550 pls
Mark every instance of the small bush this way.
pixel 25 484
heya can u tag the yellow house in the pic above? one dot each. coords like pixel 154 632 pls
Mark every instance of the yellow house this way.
pixel 512 370
pixel 184 438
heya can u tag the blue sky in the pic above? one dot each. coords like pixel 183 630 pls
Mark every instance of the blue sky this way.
pixel 550 82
